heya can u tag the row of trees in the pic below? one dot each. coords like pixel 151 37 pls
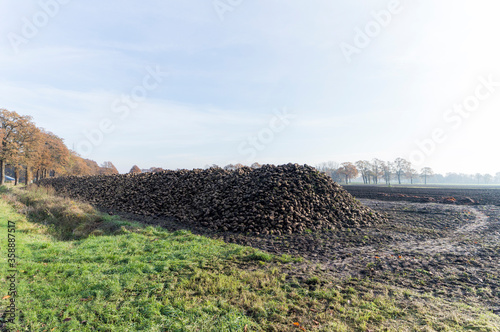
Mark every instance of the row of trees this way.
pixel 375 171
pixel 29 152
pixel 470 179
pixel 400 170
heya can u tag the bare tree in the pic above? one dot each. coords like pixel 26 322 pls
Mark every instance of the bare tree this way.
pixel 387 170
pixel 411 174
pixel 327 166
pixel 364 167
pixel 234 167
pixel 330 168
pixel 426 172
pixel 497 177
pixel 401 166
pixel 377 169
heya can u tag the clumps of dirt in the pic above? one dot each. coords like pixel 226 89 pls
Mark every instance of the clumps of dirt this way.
pixel 429 199
pixel 272 199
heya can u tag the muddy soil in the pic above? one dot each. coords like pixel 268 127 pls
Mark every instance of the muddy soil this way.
pixel 437 194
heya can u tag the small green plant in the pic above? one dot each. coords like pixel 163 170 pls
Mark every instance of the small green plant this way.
pixel 313 281
pixel 260 256
pixel 289 259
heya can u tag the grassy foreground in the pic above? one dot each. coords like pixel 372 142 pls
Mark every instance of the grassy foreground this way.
pixel 80 270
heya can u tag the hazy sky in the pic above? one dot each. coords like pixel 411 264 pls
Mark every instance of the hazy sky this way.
pixel 182 84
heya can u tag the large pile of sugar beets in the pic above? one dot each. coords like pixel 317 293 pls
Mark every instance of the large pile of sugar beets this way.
pixel 268 200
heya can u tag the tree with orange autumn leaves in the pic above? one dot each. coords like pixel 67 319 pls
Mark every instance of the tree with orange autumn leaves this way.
pixel 34 153
pixel 348 170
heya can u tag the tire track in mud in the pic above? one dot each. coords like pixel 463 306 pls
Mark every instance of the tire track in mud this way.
pixel 481 222
pixel 448 244
pixel 352 260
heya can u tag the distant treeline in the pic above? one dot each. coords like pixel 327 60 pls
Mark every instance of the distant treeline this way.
pixel 398 171
pixel 28 152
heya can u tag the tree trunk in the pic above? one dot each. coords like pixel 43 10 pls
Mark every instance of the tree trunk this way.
pixel 2 171
pixel 16 176
pixel 27 177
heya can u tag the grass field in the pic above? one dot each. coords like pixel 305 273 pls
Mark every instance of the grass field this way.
pixel 80 270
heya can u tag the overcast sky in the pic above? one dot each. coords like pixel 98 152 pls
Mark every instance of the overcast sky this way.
pixel 183 84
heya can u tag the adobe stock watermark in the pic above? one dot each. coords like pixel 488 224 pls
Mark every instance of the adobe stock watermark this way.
pixel 120 109
pixel 372 29
pixel 253 144
pixel 455 117
pixel 31 26
pixel 222 7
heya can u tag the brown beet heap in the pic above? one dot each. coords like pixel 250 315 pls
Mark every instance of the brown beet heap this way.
pixel 269 200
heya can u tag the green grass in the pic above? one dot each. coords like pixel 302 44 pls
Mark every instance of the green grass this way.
pixel 117 275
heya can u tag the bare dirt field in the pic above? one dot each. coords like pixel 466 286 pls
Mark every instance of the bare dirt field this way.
pixel 439 194
pixel 449 250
